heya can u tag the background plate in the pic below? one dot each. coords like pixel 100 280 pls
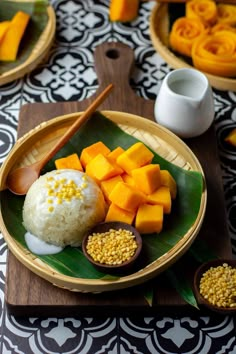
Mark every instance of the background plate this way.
pixel 38 53
pixel 159 32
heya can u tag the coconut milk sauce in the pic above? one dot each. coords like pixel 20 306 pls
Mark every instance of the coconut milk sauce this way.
pixel 40 247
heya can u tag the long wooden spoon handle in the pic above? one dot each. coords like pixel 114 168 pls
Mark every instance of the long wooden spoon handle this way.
pixel 77 124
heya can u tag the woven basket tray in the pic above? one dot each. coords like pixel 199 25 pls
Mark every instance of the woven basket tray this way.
pixel 159 32
pixel 37 142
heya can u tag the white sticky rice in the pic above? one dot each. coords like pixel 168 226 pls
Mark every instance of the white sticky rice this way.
pixel 62 221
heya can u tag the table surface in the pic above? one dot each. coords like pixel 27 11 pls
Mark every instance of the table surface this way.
pixel 69 75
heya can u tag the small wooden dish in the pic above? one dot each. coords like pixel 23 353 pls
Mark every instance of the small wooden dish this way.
pixel 105 227
pixel 197 277
pixel 38 53
pixel 159 33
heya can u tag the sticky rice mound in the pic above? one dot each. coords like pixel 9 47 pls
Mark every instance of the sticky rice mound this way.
pixel 61 206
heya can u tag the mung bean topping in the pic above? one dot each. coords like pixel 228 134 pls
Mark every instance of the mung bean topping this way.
pixel 218 286
pixel 112 247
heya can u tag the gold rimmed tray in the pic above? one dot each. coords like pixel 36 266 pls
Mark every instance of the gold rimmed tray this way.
pixel 38 53
pixel 159 32
pixel 33 146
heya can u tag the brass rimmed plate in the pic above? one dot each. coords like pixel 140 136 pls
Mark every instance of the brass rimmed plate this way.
pixel 168 146
pixel 159 32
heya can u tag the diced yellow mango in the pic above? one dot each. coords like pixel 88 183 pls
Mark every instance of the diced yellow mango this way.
pixel 92 151
pixel 102 168
pixel 115 153
pixel 71 161
pixel 117 214
pixel 149 218
pixel 128 179
pixel 126 197
pixel 147 178
pixel 108 185
pixel 123 10
pixel 168 181
pixel 161 196
pixel 135 156
pixel 11 40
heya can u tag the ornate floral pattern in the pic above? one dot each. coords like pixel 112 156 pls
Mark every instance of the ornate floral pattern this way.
pixel 69 74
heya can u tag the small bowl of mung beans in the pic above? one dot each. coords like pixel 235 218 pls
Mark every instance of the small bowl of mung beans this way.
pixel 215 285
pixel 112 246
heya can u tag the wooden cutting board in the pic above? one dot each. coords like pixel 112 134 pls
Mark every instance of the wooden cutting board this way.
pixel 27 294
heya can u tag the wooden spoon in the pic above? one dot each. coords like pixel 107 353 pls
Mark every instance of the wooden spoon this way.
pixel 20 180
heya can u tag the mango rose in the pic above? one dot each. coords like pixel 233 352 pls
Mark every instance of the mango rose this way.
pixel 216 54
pixel 226 14
pixel 204 10
pixel 183 33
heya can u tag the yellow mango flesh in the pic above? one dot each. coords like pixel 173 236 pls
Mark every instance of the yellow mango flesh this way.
pixel 102 168
pixel 135 156
pixel 147 178
pixel 108 185
pixel 123 10
pixel 11 40
pixel 168 181
pixel 71 161
pixel 161 196
pixel 149 218
pixel 113 155
pixel 3 28
pixel 115 213
pixel 126 197
pixel 92 151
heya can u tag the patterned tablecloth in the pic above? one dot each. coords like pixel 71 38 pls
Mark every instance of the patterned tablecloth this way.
pixel 69 74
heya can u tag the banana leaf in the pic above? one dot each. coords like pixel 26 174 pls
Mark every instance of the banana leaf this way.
pixel 38 21
pixel 71 261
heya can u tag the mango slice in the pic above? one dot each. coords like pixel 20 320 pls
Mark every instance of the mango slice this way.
pixel 11 40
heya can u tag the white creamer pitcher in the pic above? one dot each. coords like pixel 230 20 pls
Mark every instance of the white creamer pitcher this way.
pixel 185 103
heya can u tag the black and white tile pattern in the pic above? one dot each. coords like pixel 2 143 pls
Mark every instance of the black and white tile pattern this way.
pixel 69 75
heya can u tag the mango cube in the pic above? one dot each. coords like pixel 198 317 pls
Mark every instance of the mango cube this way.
pixel 128 179
pixel 71 161
pixel 115 153
pixel 147 178
pixel 92 151
pixel 102 168
pixel 115 213
pixel 135 156
pixel 108 185
pixel 168 181
pixel 161 196
pixel 149 218
pixel 126 197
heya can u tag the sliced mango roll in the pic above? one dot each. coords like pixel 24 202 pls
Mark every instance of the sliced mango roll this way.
pixel 216 54
pixel 204 10
pixel 226 14
pixel 222 27
pixel 183 33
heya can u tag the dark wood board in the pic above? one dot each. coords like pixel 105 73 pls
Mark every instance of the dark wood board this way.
pixel 27 294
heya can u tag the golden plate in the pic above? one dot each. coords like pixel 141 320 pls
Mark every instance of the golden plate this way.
pixel 33 146
pixel 159 32
pixel 38 53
